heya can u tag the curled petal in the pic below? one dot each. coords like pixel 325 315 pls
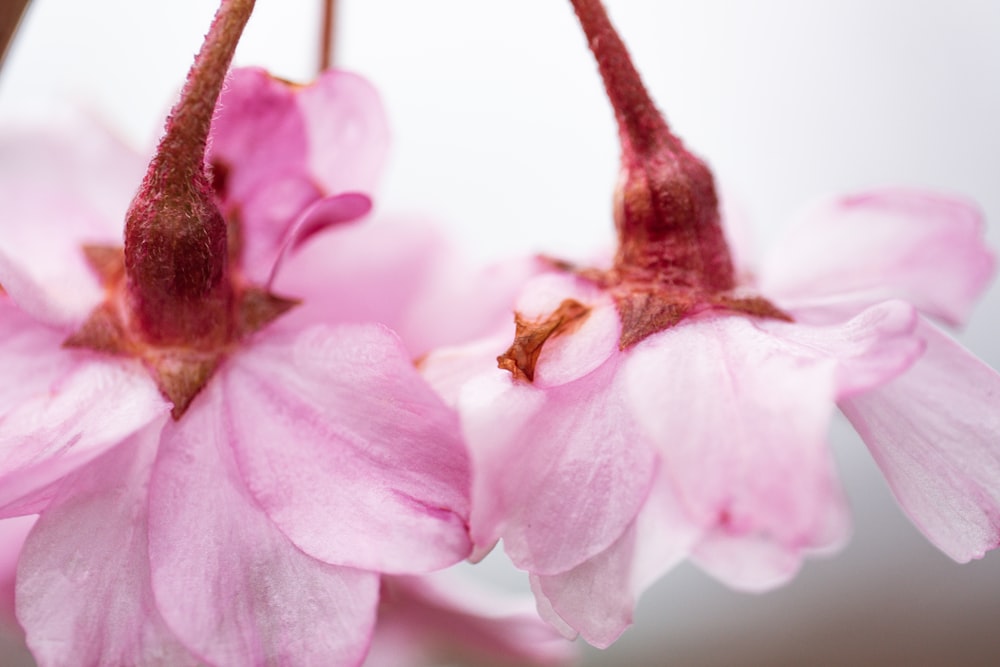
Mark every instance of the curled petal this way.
pixel 739 413
pixel 935 434
pixel 349 451
pixel 894 244
pixel 317 217
pixel 559 473
pixel 227 581
pixel 83 588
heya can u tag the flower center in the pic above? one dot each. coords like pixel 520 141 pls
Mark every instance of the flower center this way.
pixel 174 297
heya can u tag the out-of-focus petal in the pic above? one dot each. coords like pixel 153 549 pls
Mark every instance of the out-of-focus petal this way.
pixel 348 450
pixel 76 184
pixel 448 615
pixel 227 581
pixel 404 274
pixel 83 589
pixel 893 244
pixel 61 408
pixel 559 473
pixel 935 433
pixel 739 411
pixel 348 131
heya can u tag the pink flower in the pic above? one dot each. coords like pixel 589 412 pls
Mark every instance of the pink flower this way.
pixel 251 525
pixel 674 404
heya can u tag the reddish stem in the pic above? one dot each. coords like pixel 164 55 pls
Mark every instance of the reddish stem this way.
pixel 175 236
pixel 11 12
pixel 327 35
pixel 666 210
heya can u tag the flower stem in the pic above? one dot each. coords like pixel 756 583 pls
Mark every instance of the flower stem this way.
pixel 11 12
pixel 175 236
pixel 666 209
pixel 328 31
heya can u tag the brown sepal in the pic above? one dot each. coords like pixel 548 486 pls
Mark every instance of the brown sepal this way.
pixel 258 308
pixel 645 313
pixel 107 261
pixel 757 306
pixel 102 331
pixel 181 375
pixel 529 337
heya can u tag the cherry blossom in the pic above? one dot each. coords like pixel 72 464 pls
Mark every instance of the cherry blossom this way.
pixel 216 483
pixel 675 402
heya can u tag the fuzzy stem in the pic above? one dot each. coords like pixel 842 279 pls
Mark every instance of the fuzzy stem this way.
pixel 666 210
pixel 183 145
pixel 176 248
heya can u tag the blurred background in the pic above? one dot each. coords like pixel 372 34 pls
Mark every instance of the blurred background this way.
pixel 503 137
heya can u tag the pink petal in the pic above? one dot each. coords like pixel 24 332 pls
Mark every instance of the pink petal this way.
pixel 592 342
pixel 60 191
pixel 83 589
pixel 377 477
pixel 739 411
pixel 12 535
pixel 319 216
pixel 406 275
pixel 61 408
pixel 348 130
pixel 935 434
pixel 920 247
pixel 559 473
pixel 451 614
pixel 258 135
pixel 226 580
pixel 266 167
pixel 597 597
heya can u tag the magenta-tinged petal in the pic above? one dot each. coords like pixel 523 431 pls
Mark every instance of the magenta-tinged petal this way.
pixel 226 580
pixel 348 450
pixel 559 473
pixel 935 433
pixel 84 596
pixel 267 166
pixel 740 416
pixel 258 135
pixel 61 408
pixel 317 217
pixel 916 246
pixel 447 615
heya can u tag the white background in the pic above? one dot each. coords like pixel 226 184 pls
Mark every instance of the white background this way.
pixel 502 134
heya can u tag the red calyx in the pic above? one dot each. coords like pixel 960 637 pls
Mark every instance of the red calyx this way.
pixel 172 298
